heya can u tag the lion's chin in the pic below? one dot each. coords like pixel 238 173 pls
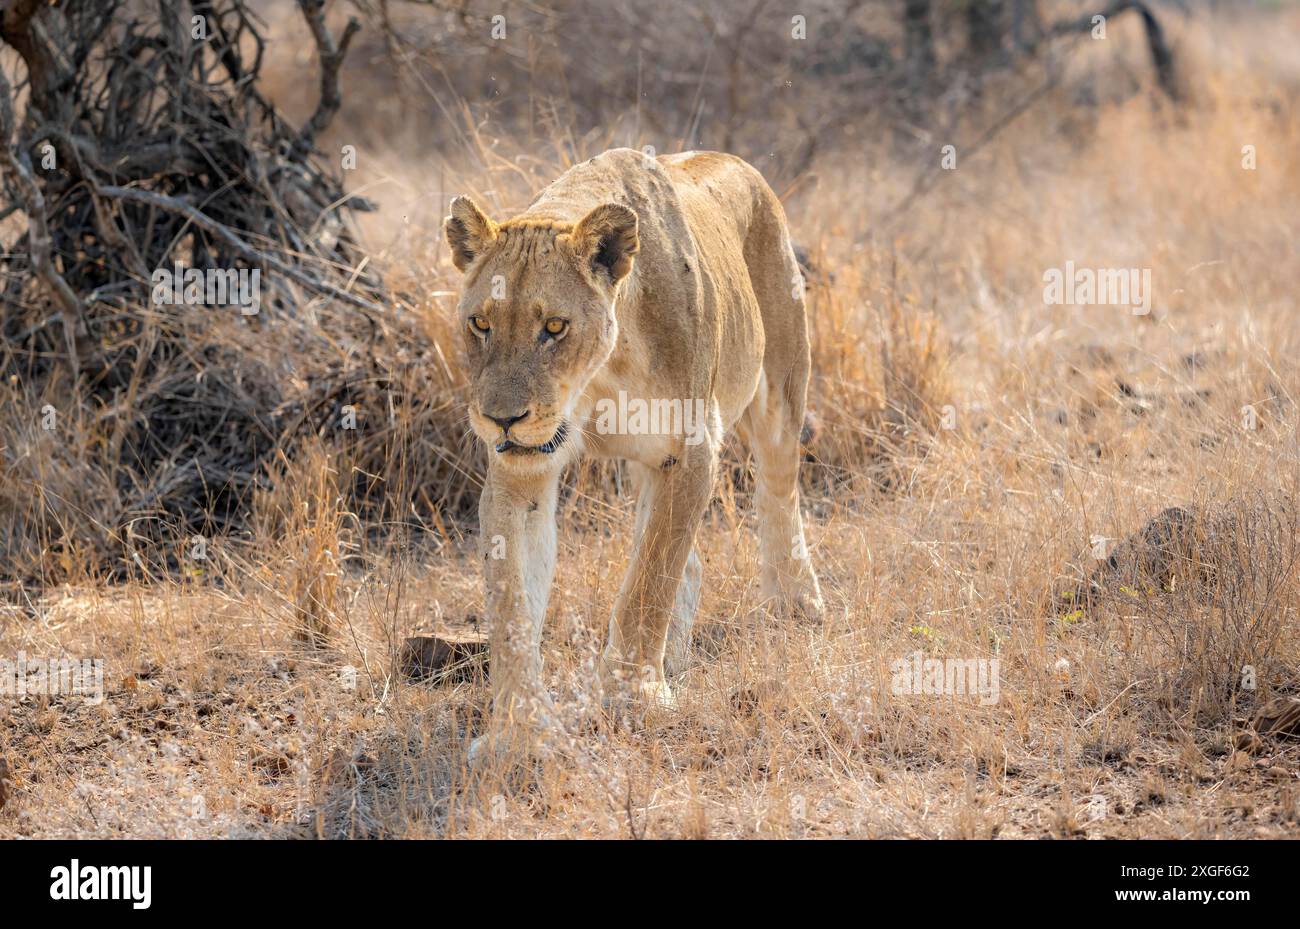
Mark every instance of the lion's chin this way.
pixel 549 447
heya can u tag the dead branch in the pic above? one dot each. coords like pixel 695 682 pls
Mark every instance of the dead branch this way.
pixel 19 170
pixel 331 60
pixel 1162 57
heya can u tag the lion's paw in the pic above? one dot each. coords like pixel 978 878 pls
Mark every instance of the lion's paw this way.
pixel 639 704
pixel 798 597
pixel 509 744
pixel 808 606
pixel 658 695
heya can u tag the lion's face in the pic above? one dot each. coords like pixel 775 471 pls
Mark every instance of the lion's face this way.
pixel 537 312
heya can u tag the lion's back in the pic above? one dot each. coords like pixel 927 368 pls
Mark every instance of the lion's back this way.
pixel 682 199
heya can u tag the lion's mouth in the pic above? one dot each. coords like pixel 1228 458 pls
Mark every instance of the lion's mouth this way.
pixel 545 448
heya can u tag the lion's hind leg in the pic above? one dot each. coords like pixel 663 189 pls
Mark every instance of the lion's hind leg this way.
pixel 677 650
pixel 786 570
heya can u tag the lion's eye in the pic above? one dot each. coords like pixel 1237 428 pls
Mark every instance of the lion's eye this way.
pixel 556 326
pixel 479 323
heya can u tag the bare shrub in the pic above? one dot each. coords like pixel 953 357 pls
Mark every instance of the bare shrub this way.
pixel 1214 586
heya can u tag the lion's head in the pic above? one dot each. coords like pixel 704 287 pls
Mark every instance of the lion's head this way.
pixel 537 312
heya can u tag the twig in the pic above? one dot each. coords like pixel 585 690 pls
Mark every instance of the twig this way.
pixel 1088 722
pixel 637 833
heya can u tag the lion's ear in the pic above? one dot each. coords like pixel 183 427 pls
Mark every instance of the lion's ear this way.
pixel 468 231
pixel 607 238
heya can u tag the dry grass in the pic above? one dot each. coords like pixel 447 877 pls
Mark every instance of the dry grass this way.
pixel 973 445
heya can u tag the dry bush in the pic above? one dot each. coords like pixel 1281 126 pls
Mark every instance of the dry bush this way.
pixel 168 154
pixel 1214 589
pixel 314 536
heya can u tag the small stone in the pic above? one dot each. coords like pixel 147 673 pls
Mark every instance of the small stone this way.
pixel 1248 742
pixel 272 765
pixel 1279 718
pixel 447 657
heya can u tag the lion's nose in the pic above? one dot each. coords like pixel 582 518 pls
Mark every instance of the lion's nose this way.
pixel 505 422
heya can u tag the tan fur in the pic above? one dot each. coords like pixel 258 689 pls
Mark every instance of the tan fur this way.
pixel 677 281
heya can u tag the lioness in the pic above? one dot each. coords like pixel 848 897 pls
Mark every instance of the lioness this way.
pixel 660 280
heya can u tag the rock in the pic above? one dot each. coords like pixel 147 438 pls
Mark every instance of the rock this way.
pixel 1248 741
pixel 1215 553
pixel 453 656
pixel 272 765
pixel 343 768
pixel 1279 718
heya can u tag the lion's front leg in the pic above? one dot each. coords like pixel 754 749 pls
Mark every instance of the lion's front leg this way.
pixel 517 521
pixel 671 506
